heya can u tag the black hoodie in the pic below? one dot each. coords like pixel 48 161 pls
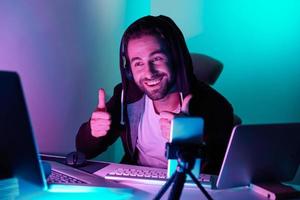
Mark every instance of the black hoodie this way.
pixel 127 103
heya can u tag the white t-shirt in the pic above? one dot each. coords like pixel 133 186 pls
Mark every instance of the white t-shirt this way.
pixel 150 142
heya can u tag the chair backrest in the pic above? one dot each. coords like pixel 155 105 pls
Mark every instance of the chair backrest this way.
pixel 206 68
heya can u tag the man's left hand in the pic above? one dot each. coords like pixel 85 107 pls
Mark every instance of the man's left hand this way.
pixel 167 117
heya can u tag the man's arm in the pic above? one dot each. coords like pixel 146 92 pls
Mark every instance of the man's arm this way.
pixel 92 146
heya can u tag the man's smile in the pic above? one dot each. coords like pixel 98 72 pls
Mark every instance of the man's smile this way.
pixel 153 82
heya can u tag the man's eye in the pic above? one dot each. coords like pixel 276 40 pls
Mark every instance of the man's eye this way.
pixel 138 64
pixel 157 59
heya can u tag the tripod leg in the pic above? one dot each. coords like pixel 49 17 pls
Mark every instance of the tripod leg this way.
pixel 177 186
pixel 200 186
pixel 165 187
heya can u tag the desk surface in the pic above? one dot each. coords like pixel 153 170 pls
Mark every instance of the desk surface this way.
pixel 139 191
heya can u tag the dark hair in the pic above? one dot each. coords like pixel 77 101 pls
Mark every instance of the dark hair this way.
pixel 165 29
pixel 148 25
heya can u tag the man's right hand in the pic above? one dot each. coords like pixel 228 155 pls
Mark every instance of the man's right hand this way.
pixel 101 119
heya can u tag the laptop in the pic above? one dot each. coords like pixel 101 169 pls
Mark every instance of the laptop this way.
pixel 18 149
pixel 262 153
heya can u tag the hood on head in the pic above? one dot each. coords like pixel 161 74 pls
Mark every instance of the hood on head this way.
pixel 181 59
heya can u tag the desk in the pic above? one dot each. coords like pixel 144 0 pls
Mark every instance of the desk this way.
pixel 137 190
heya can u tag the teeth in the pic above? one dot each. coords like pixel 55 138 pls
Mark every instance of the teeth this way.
pixel 153 82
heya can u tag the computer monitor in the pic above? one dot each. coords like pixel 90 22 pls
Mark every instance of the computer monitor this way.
pixel 261 153
pixel 19 156
pixel 17 145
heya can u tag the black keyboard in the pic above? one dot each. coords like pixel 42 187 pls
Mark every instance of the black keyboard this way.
pixel 60 178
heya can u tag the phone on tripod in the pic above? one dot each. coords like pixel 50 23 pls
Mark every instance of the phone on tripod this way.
pixel 185 131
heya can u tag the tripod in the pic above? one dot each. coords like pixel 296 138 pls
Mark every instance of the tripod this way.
pixel 186 163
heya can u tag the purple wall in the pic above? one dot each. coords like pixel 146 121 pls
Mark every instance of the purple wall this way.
pixel 61 49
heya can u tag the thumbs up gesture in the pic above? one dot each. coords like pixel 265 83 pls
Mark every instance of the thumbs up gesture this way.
pixel 167 117
pixel 101 120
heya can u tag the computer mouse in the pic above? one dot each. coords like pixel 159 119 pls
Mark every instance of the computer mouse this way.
pixel 75 159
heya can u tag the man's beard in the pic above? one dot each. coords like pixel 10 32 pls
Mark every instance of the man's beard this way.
pixel 166 86
pixel 157 94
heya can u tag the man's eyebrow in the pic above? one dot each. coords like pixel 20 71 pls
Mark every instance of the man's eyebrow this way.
pixel 135 58
pixel 157 51
pixel 151 54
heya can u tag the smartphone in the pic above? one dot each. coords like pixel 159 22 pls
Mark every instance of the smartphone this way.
pixel 186 130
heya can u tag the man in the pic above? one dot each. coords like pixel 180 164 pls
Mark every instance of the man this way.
pixel 157 84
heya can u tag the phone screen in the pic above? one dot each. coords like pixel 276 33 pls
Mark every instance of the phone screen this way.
pixel 186 130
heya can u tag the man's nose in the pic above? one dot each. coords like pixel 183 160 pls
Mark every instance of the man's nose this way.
pixel 150 70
